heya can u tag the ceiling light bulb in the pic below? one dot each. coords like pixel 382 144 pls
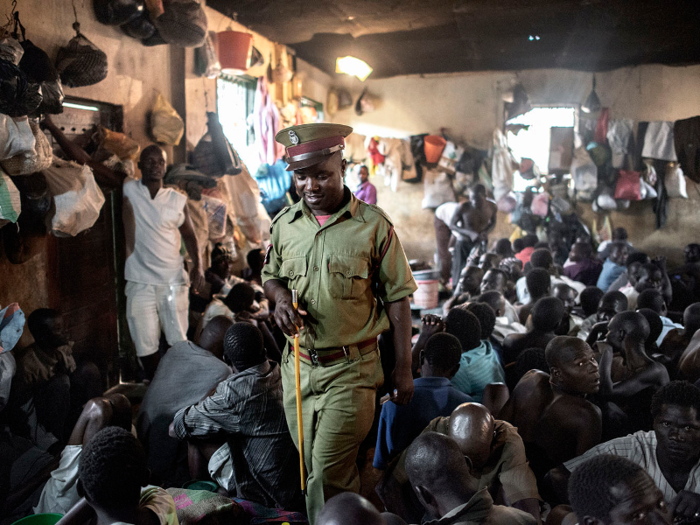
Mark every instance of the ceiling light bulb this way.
pixel 353 66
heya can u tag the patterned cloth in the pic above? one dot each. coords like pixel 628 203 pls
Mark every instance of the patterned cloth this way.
pixel 195 505
pixel 478 368
pixel 247 408
pixel 640 448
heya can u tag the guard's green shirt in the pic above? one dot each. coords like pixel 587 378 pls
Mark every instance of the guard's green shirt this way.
pixel 333 267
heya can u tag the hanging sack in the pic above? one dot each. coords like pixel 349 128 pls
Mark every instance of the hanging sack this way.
pixel 437 189
pixel 646 190
pixel 507 203
pixel 606 199
pixel 183 23
pixel 139 27
pixel 206 61
pixel 11 50
pixel 216 211
pixel 122 146
pixel 16 136
pixel 76 196
pixel 116 12
pixel 10 204
pixel 584 171
pixel 628 186
pixel 675 182
pixel 81 63
pixel 28 162
pixel 213 154
pixel 540 204
pixel 502 169
pixel 19 96
pixel 167 125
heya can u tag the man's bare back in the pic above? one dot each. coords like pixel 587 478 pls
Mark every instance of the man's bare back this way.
pixel 476 220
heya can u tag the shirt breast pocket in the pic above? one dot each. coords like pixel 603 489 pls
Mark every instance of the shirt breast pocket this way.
pixel 348 276
pixel 292 269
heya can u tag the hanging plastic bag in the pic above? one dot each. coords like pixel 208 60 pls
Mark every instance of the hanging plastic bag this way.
pixel 10 203
pixel 584 171
pixel 53 96
pixel 76 196
pixel 122 146
pixel 216 211
pixel 606 199
pixel 206 60
pixel 675 181
pixel 139 27
pixel 11 50
pixel 646 190
pixel 28 162
pixel 628 186
pixel 36 64
pixel 81 63
pixel 183 23
pixel 437 189
pixel 167 125
pixel 20 97
pixel 16 136
pixel 502 169
pixel 507 203
pixel 540 204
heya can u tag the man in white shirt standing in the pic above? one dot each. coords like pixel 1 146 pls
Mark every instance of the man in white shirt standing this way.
pixel 156 222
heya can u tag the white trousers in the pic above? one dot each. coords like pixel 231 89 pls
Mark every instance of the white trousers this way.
pixel 151 309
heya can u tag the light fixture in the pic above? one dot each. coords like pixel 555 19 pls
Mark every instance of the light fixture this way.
pixel 353 66
pixel 592 103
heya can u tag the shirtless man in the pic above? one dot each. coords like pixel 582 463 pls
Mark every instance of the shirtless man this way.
pixel 639 377
pixel 471 223
pixel 678 339
pixel 468 287
pixel 689 364
pixel 545 316
pixel 551 411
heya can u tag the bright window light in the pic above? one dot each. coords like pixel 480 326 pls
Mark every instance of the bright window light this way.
pixel 80 106
pixel 353 66
pixel 534 142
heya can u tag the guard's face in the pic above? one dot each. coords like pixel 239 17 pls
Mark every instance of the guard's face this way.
pixel 321 185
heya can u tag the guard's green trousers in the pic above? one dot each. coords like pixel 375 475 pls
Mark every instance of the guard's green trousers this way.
pixel 338 410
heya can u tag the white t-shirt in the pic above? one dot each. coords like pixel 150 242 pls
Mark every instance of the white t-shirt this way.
pixel 156 259
pixel 446 211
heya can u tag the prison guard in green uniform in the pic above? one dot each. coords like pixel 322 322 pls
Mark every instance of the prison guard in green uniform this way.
pixel 337 269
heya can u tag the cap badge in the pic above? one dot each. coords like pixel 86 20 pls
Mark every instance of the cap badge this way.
pixel 293 138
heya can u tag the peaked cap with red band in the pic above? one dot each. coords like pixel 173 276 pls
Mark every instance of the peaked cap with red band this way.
pixel 309 144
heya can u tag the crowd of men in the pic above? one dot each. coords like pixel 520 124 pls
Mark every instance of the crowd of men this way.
pixel 543 394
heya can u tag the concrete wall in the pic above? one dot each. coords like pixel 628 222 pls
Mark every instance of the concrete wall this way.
pixel 469 107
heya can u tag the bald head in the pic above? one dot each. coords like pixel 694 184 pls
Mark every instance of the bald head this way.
pixel 691 318
pixel 471 427
pixel 627 326
pixel 212 337
pixel 438 472
pixel 349 508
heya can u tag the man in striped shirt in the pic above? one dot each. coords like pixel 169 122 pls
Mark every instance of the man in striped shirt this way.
pixel 670 454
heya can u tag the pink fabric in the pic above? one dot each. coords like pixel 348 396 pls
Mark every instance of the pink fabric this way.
pixel 266 124
pixel 322 219
pixel 525 254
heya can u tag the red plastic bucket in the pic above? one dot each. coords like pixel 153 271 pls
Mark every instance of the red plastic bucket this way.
pixel 234 49
pixel 433 146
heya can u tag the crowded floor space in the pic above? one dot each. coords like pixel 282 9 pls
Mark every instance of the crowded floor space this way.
pixel 349 262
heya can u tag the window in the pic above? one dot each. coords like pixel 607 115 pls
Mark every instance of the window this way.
pixel 235 97
pixel 533 140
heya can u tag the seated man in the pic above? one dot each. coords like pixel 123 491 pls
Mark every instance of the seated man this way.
pixel 349 508
pixel 618 235
pixel 487 321
pixel 585 269
pixel 650 346
pixel 670 454
pixel 503 326
pixel 479 363
pixel 610 305
pixel 539 285
pixel 613 266
pixel 634 269
pixel 256 260
pixel 678 339
pixel 498 461
pixel 542 258
pixel 219 273
pixel 112 475
pixel 468 288
pixel 637 380
pixel 551 411
pixel 651 298
pixel 653 275
pixel 61 491
pixel 433 396
pixel 546 316
pixel 48 380
pixel 590 300
pixel 497 280
pixel 169 392
pixel 444 484
pixel 258 460
pixel 689 363
pixel 571 322
pixel 527 248
pixel 613 490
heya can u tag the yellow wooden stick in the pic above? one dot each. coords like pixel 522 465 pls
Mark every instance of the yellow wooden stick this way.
pixel 300 420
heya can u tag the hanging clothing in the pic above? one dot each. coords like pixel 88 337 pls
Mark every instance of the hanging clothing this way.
pixel 266 124
pixel 620 139
pixel 686 135
pixel 658 141
pixel 393 167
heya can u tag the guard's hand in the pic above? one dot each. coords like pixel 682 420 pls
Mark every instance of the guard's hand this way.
pixel 197 279
pixel 686 505
pixel 287 318
pixel 403 386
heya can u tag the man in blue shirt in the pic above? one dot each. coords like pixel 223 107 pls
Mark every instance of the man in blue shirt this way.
pixel 614 266
pixel 433 396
